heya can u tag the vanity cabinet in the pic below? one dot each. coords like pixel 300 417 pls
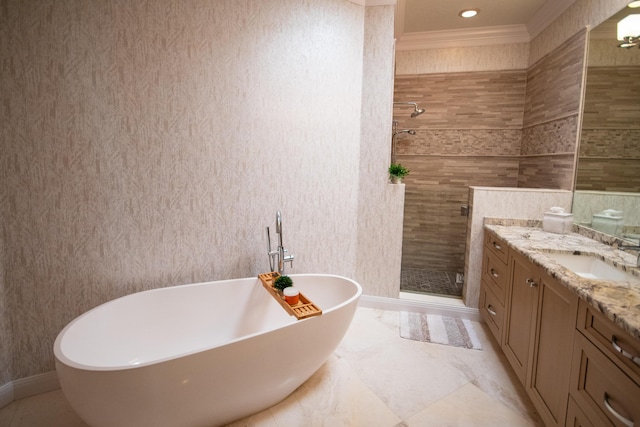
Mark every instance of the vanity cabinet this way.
pixel 605 372
pixel 495 279
pixel 548 378
pixel 538 325
pixel 579 368
pixel 520 311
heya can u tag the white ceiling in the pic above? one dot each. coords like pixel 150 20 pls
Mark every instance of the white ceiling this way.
pixel 437 15
pixel 421 23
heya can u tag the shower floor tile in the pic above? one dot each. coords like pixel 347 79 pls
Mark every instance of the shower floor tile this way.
pixel 375 378
pixel 430 282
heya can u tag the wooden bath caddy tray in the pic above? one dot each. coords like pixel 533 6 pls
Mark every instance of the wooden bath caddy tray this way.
pixel 302 310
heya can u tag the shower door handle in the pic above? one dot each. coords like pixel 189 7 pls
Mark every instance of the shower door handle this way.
pixel 464 210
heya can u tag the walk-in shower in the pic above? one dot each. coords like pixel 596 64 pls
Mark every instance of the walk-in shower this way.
pixel 433 243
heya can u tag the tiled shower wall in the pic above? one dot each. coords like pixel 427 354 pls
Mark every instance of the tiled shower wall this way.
pixel 552 107
pixel 495 58
pixel 610 142
pixel 469 135
pixel 148 144
pixel 514 128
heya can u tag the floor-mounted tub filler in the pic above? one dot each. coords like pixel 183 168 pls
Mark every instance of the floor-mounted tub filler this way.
pixel 198 355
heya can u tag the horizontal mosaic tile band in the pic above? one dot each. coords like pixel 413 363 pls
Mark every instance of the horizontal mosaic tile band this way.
pixel 467 142
pixel 610 143
pixel 557 136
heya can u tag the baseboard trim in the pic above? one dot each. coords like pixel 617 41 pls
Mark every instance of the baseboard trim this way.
pixel 27 387
pixel 6 394
pixel 397 304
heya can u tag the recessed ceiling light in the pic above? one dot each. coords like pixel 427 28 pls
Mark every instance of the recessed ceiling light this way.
pixel 470 13
pixel 634 4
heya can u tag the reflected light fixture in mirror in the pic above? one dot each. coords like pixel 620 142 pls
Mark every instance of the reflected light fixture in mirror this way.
pixel 608 166
pixel 468 13
pixel 629 31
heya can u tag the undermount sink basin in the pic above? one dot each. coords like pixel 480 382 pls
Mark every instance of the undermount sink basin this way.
pixel 592 268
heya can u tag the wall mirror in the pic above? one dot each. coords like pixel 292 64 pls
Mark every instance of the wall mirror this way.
pixel 607 186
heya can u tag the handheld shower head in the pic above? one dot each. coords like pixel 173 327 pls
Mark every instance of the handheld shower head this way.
pixel 278 222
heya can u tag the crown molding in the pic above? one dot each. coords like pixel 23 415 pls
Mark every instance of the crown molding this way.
pixel 546 15
pixel 481 36
pixel 374 2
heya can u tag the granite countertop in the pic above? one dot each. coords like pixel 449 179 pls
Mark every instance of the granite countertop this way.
pixel 619 301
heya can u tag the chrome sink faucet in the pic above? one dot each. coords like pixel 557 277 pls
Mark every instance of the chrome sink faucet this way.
pixel 280 252
pixel 632 248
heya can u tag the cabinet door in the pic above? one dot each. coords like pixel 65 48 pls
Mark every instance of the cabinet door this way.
pixel 548 382
pixel 491 311
pixel 601 389
pixel 521 302
pixel 575 416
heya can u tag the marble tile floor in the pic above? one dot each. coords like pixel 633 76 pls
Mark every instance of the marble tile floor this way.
pixel 374 379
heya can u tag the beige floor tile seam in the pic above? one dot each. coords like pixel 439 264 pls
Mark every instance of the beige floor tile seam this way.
pixel 477 389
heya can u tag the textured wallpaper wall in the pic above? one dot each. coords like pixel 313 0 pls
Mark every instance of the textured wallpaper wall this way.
pixel 149 143
pixel 380 204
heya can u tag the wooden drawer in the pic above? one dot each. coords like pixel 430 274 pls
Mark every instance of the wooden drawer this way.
pixel 495 273
pixel 575 416
pixel 615 342
pixel 492 311
pixel 496 245
pixel 600 388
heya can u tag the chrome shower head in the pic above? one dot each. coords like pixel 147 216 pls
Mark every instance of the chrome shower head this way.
pixel 417 112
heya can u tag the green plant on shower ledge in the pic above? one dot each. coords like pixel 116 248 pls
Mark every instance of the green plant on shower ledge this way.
pixel 397 172
pixel 282 282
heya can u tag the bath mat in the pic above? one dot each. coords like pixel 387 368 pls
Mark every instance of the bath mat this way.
pixel 439 329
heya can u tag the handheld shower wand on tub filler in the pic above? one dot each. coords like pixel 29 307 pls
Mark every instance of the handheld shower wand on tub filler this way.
pixel 280 252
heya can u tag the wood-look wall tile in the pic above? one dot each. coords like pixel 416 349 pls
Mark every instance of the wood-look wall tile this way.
pixel 480 100
pixel 553 171
pixel 554 83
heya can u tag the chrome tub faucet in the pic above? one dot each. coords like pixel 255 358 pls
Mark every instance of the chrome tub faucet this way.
pixel 281 252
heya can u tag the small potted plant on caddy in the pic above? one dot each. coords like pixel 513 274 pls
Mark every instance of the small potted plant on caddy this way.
pixel 397 172
pixel 282 282
pixel 284 286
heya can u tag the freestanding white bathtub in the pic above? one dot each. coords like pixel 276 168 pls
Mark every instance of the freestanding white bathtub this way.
pixel 198 355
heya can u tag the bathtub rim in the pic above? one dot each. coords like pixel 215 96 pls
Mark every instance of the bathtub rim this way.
pixel 61 358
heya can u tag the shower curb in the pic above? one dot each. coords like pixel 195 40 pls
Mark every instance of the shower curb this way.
pixel 397 304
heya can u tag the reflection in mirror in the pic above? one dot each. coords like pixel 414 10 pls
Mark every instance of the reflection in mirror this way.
pixel 607 190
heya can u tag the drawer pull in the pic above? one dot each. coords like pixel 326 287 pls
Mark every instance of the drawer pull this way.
pixel 497 246
pixel 634 359
pixel 532 283
pixel 491 310
pixel 627 422
pixel 494 274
